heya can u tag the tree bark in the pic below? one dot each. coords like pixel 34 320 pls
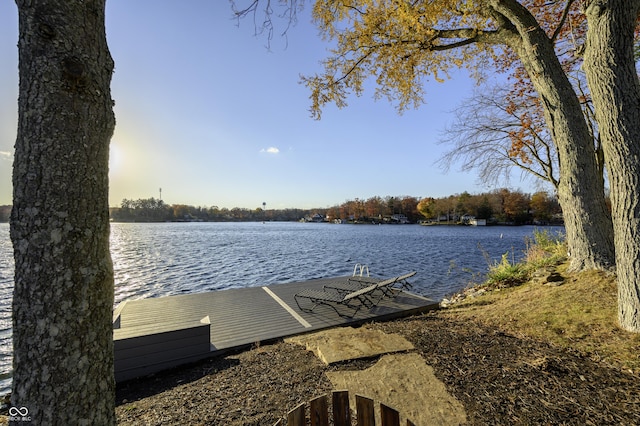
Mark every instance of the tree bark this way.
pixel 613 80
pixel 580 185
pixel 63 295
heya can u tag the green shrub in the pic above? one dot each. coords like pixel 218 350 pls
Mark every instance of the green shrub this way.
pixel 506 274
pixel 546 249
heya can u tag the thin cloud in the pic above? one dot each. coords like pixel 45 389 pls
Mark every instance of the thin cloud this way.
pixel 271 150
pixel 5 155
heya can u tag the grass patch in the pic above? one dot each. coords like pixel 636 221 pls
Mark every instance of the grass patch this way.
pixel 581 314
pixel 506 274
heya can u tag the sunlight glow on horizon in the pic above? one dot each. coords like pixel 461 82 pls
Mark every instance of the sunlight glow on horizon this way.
pixel 207 112
pixel 115 159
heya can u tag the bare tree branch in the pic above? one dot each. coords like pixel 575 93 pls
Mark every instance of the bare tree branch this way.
pixel 481 140
pixel 563 20
pixel 263 17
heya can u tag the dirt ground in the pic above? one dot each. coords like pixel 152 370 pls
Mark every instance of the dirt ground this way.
pixel 498 378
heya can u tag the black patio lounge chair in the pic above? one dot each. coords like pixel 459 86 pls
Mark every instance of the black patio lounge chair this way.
pixel 389 287
pixel 352 301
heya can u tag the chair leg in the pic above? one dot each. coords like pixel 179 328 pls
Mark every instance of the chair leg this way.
pixel 308 310
pixel 334 306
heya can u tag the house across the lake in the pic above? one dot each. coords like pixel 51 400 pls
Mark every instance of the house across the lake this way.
pixel 399 218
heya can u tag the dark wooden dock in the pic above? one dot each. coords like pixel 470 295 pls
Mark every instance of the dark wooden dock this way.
pixel 158 333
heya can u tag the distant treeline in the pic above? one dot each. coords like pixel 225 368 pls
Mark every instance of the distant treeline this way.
pixel 155 210
pixel 499 206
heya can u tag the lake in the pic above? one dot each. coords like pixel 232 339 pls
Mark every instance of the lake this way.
pixel 161 259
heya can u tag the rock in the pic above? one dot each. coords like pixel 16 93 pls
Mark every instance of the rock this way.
pixel 554 279
pixel 547 276
pixel 347 343
pixel 543 272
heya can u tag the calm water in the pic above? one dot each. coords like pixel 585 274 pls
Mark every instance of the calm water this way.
pixel 152 260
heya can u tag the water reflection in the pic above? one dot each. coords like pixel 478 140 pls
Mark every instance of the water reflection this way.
pixel 152 260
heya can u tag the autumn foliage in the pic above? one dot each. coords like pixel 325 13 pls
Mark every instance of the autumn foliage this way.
pixel 402 44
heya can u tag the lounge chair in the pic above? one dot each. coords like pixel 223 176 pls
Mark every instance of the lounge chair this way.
pixel 402 281
pixel 353 301
pixel 386 287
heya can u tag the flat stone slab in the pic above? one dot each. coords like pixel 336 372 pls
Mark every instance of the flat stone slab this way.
pixel 406 383
pixel 347 343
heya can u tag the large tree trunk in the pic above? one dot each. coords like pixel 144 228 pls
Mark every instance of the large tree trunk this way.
pixel 580 187
pixel 615 89
pixel 63 296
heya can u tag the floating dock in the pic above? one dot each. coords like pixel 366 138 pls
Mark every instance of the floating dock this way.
pixel 155 334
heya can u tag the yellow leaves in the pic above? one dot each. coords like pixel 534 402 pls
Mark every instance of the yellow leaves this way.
pixel 398 43
pixel 324 89
pixel 437 78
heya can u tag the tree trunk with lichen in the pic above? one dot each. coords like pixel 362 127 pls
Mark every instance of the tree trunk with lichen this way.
pixel 615 89
pixel 63 295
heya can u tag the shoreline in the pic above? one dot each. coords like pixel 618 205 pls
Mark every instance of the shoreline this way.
pixel 501 372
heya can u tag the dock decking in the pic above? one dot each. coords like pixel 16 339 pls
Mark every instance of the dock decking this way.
pixel 158 333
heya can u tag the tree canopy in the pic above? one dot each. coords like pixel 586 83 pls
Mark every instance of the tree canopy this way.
pixel 401 43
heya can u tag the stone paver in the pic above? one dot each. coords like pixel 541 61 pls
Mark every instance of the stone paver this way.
pixel 399 380
pixel 404 382
pixel 346 343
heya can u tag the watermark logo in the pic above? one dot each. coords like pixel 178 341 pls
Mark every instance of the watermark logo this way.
pixel 19 414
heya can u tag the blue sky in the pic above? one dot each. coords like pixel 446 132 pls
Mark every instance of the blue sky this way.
pixel 210 115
